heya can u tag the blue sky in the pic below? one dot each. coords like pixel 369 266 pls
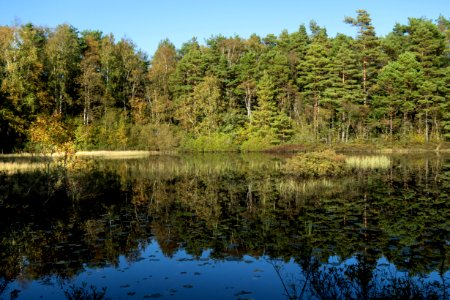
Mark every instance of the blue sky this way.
pixel 148 22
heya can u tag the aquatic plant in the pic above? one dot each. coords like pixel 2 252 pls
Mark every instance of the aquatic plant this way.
pixel 368 162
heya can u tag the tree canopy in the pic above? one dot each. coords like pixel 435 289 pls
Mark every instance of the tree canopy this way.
pixel 297 87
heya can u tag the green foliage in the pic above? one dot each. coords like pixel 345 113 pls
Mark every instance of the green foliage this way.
pixel 63 54
pixel 267 125
pixel 85 137
pixel 200 111
pixel 270 90
pixel 121 135
pixel 217 142
pixel 258 143
pixel 316 164
pixel 162 137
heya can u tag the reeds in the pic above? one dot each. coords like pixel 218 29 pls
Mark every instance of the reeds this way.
pixel 116 154
pixel 368 162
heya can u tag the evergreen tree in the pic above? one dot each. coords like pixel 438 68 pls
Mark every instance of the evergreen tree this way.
pixel 190 69
pixel 367 47
pixel 314 77
pixel 247 70
pixel 400 81
pixel 343 93
pixel 268 121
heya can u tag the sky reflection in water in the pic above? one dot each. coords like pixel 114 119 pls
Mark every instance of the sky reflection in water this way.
pixel 226 228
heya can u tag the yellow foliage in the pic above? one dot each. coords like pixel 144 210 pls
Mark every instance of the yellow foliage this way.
pixel 49 135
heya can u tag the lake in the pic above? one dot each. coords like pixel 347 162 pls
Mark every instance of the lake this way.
pixel 223 226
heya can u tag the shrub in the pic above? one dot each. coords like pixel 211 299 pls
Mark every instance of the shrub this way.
pixel 50 135
pixel 258 143
pixel 316 164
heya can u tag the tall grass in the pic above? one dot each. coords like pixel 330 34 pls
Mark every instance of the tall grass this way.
pixel 115 154
pixel 368 162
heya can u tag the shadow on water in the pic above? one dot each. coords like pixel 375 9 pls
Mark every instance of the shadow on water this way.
pixel 371 235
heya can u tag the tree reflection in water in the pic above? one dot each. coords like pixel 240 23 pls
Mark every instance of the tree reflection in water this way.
pixel 237 206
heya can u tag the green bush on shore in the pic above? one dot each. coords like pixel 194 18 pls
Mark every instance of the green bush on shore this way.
pixel 257 143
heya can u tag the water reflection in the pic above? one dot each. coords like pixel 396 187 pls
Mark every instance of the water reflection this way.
pixel 225 226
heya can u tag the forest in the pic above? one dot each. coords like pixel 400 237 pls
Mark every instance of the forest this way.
pixel 63 89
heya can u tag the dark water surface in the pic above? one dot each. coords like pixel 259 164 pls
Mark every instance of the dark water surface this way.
pixel 225 227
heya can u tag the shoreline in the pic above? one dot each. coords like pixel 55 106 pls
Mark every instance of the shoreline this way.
pixel 289 148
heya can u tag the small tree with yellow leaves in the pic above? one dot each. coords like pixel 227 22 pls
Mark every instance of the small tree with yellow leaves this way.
pixel 49 135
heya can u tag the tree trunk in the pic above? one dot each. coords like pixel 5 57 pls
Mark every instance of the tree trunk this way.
pixel 405 120
pixel 316 116
pixel 248 102
pixel 390 125
pixel 364 80
pixel 348 130
pixel 436 127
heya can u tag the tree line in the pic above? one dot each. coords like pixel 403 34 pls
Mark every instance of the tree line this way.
pixel 229 93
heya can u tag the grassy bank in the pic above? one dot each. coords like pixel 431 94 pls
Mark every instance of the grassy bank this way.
pixel 207 147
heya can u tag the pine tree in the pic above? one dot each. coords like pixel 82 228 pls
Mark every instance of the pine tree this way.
pixel 367 46
pixel 343 93
pixel 190 69
pixel 314 71
pixel 401 82
pixel 268 120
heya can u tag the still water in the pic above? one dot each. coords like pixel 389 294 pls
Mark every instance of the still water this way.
pixel 224 227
